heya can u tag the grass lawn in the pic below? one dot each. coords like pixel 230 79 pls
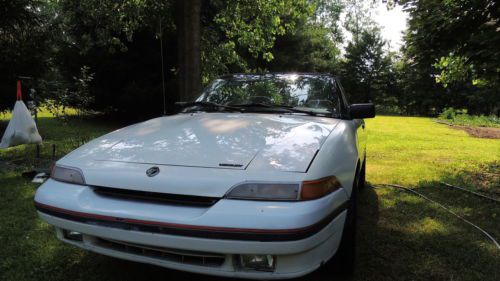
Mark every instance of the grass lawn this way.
pixel 415 151
pixel 400 236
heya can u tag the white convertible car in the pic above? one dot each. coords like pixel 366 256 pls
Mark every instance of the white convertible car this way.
pixel 257 179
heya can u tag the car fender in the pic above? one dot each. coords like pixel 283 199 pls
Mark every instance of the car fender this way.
pixel 339 156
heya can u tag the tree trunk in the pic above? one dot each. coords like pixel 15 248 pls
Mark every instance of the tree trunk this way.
pixel 189 51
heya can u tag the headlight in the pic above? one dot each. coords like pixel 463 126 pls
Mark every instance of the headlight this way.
pixel 307 190
pixel 265 191
pixel 67 174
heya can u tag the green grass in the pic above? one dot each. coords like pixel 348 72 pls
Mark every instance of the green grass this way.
pixel 415 150
pixel 65 133
pixel 400 236
pixel 42 112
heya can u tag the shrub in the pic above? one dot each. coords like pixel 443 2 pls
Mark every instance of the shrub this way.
pixel 448 113
pixel 460 117
pixel 63 95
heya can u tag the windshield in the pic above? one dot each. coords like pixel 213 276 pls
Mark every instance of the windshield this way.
pixel 316 94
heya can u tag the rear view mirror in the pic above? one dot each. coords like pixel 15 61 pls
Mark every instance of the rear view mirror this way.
pixel 362 110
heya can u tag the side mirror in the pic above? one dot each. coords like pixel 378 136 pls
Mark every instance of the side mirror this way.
pixel 362 110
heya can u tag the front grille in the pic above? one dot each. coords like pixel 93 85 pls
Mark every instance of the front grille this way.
pixel 171 255
pixel 157 197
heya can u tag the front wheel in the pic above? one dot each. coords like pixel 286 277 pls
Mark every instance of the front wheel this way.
pixel 344 259
pixel 362 175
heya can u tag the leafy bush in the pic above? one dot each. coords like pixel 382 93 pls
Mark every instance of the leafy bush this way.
pixel 460 117
pixel 61 95
pixel 393 110
pixel 448 113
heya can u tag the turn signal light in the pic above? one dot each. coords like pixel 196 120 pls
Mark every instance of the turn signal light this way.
pixel 318 188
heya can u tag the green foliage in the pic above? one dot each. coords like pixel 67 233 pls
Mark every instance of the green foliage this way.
pixel 25 43
pixel 450 57
pixel 312 44
pixel 478 121
pixel 75 95
pixel 401 237
pixel 460 117
pixel 448 113
pixel 453 69
pixel 390 110
pixel 254 25
pixel 242 32
pixel 108 24
pixel 122 49
pixel 366 69
pixel 454 43
pixel 327 14
pixel 358 17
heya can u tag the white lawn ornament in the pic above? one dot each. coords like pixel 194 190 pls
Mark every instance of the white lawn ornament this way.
pixel 22 128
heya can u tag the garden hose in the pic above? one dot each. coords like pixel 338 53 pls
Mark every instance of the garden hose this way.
pixel 471 192
pixel 444 207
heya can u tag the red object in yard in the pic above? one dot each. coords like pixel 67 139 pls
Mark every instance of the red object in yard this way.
pixel 19 94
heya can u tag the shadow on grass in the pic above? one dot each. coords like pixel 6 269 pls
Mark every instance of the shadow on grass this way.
pixel 425 242
pixel 485 178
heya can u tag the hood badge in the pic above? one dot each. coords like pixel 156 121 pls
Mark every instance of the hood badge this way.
pixel 153 171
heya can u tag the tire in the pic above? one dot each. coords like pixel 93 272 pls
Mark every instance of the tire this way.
pixel 344 260
pixel 362 175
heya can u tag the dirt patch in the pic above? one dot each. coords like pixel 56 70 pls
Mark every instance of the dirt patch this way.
pixel 478 132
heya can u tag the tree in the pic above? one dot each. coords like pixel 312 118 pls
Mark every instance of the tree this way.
pixel 189 48
pixel 119 48
pixel 118 42
pixel 358 17
pixel 239 35
pixel 308 49
pixel 454 43
pixel 327 15
pixel 366 68
pixel 316 40
pixel 24 44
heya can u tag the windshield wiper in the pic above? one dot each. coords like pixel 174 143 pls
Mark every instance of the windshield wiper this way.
pixel 282 108
pixel 207 106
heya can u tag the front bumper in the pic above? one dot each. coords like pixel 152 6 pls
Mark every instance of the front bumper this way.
pixel 61 204
pixel 293 258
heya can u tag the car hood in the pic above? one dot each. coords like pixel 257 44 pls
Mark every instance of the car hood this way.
pixel 213 140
